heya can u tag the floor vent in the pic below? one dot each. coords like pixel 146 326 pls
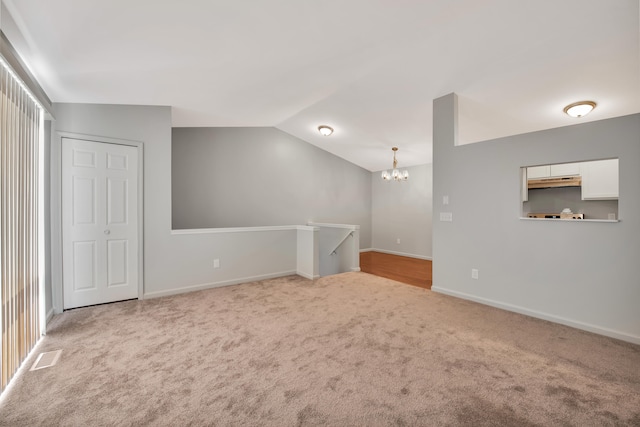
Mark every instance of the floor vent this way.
pixel 46 360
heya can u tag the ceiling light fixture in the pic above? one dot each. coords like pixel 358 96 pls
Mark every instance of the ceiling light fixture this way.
pixel 579 109
pixel 395 174
pixel 325 130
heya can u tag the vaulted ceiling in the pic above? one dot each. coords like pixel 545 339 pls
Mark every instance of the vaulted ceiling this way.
pixel 370 69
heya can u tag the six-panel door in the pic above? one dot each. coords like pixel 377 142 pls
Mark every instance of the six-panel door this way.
pixel 99 222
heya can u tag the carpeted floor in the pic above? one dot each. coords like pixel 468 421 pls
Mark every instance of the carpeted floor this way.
pixel 346 350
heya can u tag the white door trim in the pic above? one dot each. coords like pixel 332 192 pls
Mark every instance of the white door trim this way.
pixel 56 210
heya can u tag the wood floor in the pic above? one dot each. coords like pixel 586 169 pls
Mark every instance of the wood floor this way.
pixel 413 271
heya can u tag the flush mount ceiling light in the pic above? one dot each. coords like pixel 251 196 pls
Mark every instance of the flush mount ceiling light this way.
pixel 579 109
pixel 395 174
pixel 325 130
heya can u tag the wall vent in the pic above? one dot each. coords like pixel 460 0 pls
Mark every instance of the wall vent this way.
pixel 46 360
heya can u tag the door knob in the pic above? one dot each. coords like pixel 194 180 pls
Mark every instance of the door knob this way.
pixel 107 232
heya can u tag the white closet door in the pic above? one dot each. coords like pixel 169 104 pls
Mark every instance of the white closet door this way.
pixel 99 222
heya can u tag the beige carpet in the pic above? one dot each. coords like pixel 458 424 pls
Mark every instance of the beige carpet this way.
pixel 346 350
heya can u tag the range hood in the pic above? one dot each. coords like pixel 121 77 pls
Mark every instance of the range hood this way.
pixel 555 182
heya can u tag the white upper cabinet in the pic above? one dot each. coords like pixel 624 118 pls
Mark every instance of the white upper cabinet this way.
pixel 565 169
pixel 550 171
pixel 600 180
pixel 534 172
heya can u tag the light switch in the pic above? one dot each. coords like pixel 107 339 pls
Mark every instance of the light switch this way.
pixel 445 200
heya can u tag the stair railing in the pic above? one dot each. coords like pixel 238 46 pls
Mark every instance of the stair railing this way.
pixel 334 251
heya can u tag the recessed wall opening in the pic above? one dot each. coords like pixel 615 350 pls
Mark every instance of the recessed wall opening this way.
pixel 586 190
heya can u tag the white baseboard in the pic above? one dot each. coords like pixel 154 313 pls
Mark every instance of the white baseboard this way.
pixel 50 315
pixel 384 251
pixel 541 315
pixel 308 276
pixel 355 269
pixel 48 318
pixel 193 288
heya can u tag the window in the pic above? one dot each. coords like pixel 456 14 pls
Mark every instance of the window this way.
pixel 21 124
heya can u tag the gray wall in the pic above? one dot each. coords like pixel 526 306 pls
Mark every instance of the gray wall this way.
pixel 403 210
pixel 244 177
pixel 173 263
pixel 579 273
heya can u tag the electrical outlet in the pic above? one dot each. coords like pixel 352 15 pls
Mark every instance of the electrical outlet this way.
pixel 216 263
pixel 474 273
pixel 398 240
pixel 446 216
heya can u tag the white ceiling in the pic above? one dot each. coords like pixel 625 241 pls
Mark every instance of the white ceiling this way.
pixel 368 68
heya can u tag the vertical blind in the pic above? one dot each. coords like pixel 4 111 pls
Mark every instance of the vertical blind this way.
pixel 20 127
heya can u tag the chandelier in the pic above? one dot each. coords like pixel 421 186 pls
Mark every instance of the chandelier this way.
pixel 395 174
